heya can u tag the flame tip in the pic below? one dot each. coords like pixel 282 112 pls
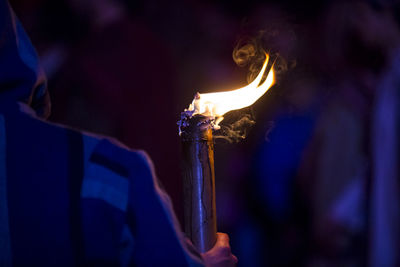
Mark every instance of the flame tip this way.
pixel 217 104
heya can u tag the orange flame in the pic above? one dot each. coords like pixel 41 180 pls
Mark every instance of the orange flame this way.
pixel 217 104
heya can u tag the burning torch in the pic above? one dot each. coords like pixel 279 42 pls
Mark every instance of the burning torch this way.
pixel 196 130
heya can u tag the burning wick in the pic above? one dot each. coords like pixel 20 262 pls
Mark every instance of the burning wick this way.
pixel 195 128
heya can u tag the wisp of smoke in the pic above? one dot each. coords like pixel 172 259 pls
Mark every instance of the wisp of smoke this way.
pixel 248 52
pixel 236 131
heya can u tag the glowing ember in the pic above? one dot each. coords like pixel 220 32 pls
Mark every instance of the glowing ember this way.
pixel 217 104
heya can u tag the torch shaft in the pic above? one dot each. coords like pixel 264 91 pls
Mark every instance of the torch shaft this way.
pixel 199 190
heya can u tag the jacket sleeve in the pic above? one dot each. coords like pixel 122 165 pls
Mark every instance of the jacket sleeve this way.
pixel 151 235
pixel 159 240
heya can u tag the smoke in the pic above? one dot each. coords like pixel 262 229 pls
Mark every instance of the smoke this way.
pixel 250 53
pixel 235 131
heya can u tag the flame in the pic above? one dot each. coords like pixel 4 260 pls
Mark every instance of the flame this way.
pixel 217 104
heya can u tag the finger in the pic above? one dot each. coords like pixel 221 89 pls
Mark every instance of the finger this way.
pixel 223 239
pixel 235 259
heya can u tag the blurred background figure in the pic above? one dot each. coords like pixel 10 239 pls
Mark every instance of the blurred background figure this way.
pixel 336 202
pixel 358 53
pixel 316 176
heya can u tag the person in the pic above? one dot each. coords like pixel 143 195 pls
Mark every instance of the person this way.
pixel 348 177
pixel 72 198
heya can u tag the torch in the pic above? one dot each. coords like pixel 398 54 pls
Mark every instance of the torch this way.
pixel 196 128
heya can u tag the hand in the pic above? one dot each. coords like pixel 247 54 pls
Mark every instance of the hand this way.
pixel 220 255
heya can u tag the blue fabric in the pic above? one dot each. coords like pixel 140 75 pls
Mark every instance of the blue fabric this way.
pixel 102 183
pixel 21 78
pixel 41 206
pixel 5 244
pixel 38 196
pixel 74 198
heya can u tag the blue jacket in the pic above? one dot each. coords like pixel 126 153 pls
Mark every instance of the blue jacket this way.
pixel 70 198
